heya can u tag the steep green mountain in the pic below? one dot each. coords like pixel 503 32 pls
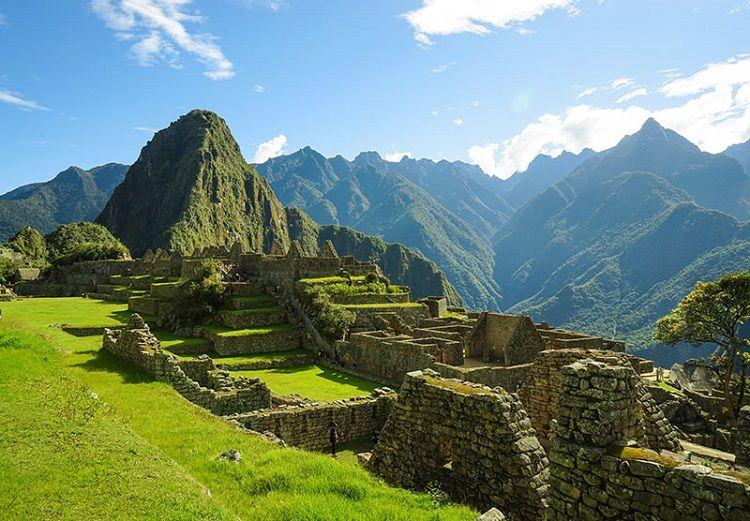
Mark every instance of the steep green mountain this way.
pixel 614 245
pixel 409 202
pixel 543 172
pixel 73 195
pixel 191 188
pixel 741 153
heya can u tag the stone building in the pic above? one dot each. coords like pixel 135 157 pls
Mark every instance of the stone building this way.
pixel 475 443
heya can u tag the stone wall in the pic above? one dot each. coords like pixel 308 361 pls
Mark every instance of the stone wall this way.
pixel 542 388
pixel 474 442
pixel 211 389
pixel 742 438
pixel 563 339
pixel 597 473
pixel 509 378
pixel 307 426
pixel 507 339
pixel 390 357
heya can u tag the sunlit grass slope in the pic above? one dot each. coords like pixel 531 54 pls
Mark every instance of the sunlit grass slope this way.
pixel 270 483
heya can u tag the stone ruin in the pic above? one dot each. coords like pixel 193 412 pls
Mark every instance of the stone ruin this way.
pixel 475 443
pixel 599 470
pixel 543 385
pixel 507 339
pixel 200 381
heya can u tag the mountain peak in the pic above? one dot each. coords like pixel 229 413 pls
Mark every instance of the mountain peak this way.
pixel 368 157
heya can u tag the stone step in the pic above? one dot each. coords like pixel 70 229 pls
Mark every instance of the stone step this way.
pixel 282 337
pixel 165 290
pixel 106 289
pixel 253 317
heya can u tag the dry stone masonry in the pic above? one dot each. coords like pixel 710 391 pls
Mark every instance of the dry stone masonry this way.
pixel 475 443
pixel 200 382
pixel 599 472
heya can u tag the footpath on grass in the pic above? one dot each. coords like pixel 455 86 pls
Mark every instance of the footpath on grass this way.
pixel 269 483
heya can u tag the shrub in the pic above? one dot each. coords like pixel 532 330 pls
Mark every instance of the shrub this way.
pixel 70 238
pixel 7 269
pixel 335 321
pixel 31 244
pixel 89 251
pixel 199 297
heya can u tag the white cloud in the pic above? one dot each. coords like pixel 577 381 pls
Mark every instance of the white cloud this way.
pixel 621 83
pixel 160 28
pixel 445 17
pixel 395 157
pixel 435 113
pixel 713 113
pixel 260 89
pixel 274 147
pixel 632 95
pixel 443 68
pixel 15 99
pixel 475 103
pixel 458 122
pixel 587 92
pixel 146 129
pixel 274 5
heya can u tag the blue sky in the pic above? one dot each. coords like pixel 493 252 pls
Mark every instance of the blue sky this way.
pixel 489 81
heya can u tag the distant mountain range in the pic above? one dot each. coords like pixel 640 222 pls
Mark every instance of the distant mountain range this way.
pixel 615 244
pixel 191 188
pixel 599 242
pixel 73 195
pixel 443 210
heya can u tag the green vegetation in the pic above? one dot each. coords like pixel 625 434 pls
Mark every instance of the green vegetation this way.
pixel 7 268
pixel 440 210
pixel 313 381
pixel 65 454
pixel 714 313
pixel 669 388
pixel 258 299
pixel 277 356
pixel 251 311
pixel 32 245
pixel 201 296
pixel 617 244
pixel 262 330
pixel 83 241
pixel 270 483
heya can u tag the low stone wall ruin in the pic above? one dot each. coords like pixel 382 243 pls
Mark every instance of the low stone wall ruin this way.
pixel 200 382
pixel 596 475
pixel 475 443
pixel 307 426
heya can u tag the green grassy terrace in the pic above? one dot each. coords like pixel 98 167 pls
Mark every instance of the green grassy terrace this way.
pixel 250 311
pixel 312 381
pixel 264 330
pixel 143 452
pixel 277 356
pixel 384 305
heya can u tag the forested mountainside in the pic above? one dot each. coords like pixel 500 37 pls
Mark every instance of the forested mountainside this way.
pixel 614 245
pixel 191 188
pixel 443 210
pixel 73 195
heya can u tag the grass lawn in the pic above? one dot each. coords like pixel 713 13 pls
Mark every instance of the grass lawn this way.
pixel 257 299
pixel 261 330
pixel 251 311
pixel 276 356
pixel 313 381
pixel 66 455
pixel 270 483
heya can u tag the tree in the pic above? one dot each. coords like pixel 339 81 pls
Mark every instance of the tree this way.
pixel 31 244
pixel 713 313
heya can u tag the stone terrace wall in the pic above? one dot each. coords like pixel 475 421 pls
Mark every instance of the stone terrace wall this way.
pixel 137 345
pixel 391 357
pixel 284 270
pixel 307 426
pixel 542 387
pixel 509 378
pixel 476 443
pixel 593 477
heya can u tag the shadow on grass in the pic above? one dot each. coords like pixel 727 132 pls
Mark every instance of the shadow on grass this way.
pixel 103 362
pixel 337 377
